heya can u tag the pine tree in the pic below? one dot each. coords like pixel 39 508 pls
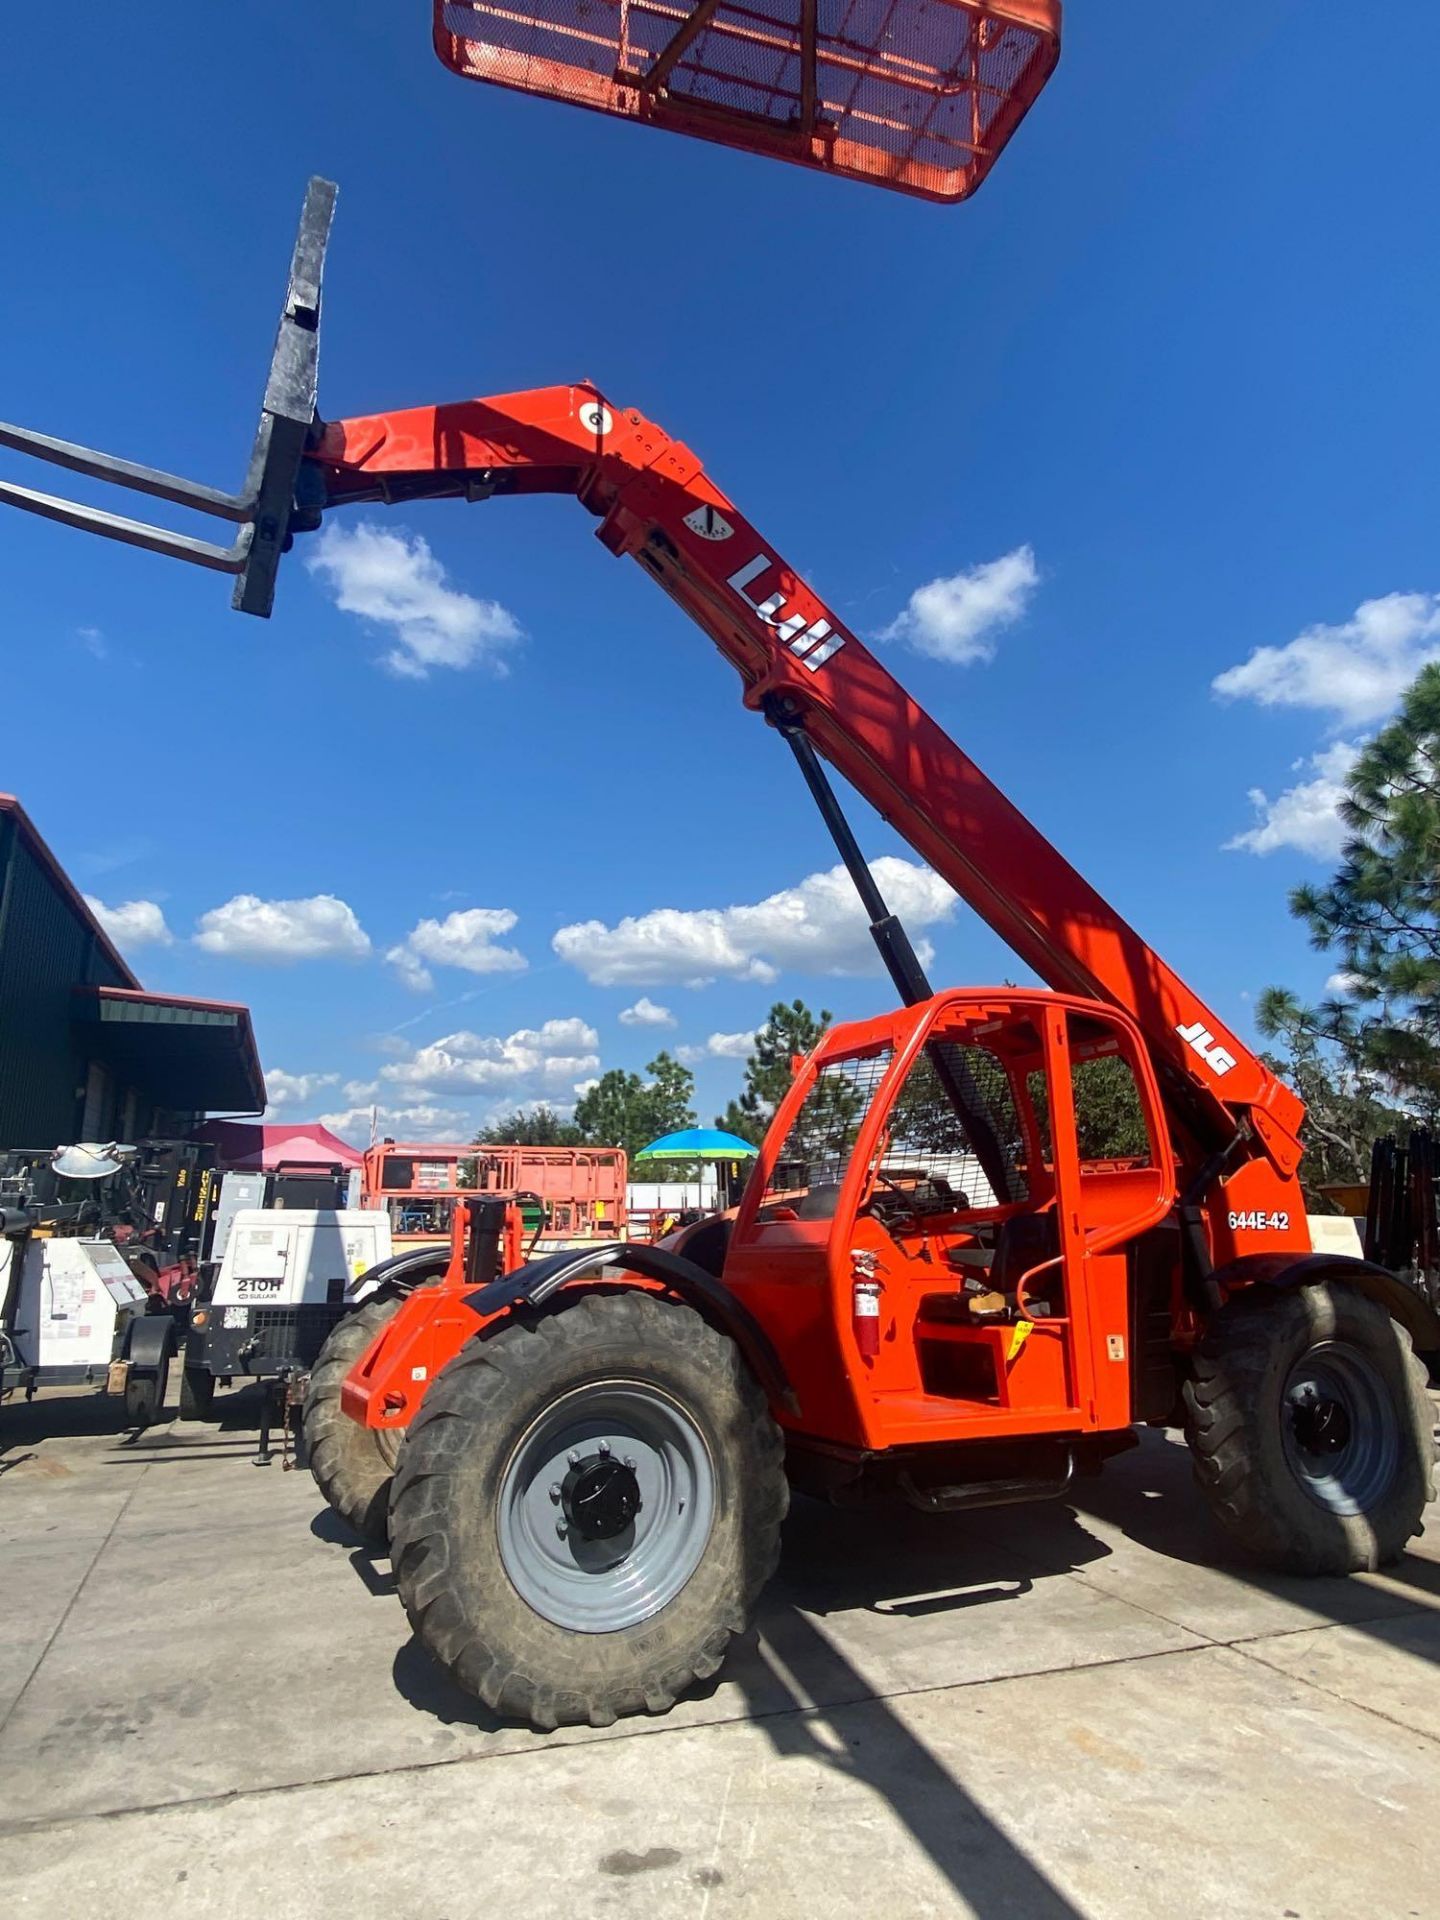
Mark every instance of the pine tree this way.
pixel 788 1030
pixel 1344 1114
pixel 529 1127
pixel 624 1110
pixel 1380 915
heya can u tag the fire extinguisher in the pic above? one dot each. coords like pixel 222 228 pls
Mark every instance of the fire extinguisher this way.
pixel 865 1304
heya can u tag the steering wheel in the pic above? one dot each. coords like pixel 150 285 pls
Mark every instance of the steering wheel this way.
pixel 906 1200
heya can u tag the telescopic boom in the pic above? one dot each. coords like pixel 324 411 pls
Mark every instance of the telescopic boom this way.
pixel 801 667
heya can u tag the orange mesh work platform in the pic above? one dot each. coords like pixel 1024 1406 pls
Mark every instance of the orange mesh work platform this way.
pixel 915 94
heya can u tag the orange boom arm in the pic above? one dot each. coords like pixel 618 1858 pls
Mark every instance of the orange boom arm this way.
pixel 804 668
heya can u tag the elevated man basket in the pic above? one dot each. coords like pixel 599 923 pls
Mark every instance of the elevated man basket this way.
pixel 920 95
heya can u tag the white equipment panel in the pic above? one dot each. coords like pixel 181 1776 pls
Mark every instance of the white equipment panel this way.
pixel 74 1295
pixel 299 1256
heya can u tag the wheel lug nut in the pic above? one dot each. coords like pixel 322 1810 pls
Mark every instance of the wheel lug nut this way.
pixel 572 1458
pixel 555 1491
pixel 560 1528
pixel 603 1447
pixel 630 1461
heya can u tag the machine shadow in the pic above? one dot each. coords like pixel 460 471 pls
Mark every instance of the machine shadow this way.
pixel 24 1424
pixel 232 1433
pixel 792 1680
pixel 371 1569
pixel 888 1559
pixel 871 1746
pixel 1150 1498
pixel 805 1688
pixel 888 1562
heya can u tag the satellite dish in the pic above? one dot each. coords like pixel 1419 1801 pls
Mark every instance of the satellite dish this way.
pixel 91 1160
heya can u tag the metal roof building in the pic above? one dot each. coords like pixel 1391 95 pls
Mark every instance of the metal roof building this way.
pixel 85 1052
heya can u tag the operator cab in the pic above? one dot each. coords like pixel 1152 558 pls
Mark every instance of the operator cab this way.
pixel 968 1163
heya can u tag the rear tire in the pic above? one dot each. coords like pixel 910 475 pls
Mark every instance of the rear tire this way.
pixel 197 1393
pixel 352 1464
pixel 586 1509
pixel 1310 1428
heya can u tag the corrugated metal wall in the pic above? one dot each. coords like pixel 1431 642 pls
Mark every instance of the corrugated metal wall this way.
pixel 45 951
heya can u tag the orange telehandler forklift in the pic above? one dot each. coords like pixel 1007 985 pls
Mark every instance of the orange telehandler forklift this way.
pixel 929 1289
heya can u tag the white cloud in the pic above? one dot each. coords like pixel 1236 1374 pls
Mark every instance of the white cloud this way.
pixel 1356 671
pixel 731 1046
pixel 1304 816
pixel 530 1064
pixel 390 577
pixel 94 642
pixel 1342 983
pixel 815 927
pixel 645 1013
pixel 954 618
pixel 464 940
pixel 546 1103
pixel 132 924
pixel 423 1121
pixel 294 1089
pixel 720 1046
pixel 249 928
pixel 443 1091
pixel 413 972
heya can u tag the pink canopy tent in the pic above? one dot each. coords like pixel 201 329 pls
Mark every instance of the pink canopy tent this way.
pixel 247 1148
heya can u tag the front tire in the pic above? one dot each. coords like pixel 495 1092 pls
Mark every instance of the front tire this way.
pixel 586 1509
pixel 1310 1428
pixel 352 1464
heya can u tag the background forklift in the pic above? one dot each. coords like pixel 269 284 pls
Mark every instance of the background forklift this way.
pixel 592 1452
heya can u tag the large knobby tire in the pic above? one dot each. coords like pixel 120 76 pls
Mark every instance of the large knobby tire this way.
pixel 1310 1428
pixel 352 1464
pixel 586 1508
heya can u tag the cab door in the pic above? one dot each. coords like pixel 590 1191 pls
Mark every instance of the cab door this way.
pixel 957 1235
pixel 993 1246
pixel 1115 1184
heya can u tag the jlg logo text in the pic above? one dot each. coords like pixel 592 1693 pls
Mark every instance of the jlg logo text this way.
pixel 812 642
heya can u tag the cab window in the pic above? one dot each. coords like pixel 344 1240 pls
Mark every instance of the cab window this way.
pixel 954 1142
pixel 806 1177
pixel 1110 1122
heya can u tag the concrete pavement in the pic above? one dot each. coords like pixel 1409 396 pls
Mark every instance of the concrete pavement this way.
pixel 210 1701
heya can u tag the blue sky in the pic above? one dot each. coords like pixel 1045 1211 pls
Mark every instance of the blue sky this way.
pixel 1180 348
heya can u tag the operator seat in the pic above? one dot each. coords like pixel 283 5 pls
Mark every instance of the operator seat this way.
pixel 1024 1241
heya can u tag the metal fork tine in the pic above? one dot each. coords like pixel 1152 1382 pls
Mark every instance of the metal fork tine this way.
pixel 134 533
pixel 265 508
pixel 126 473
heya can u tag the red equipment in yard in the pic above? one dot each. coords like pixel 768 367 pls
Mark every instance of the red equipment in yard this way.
pixel 579 1192
pixel 920 95
pixel 930 1287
